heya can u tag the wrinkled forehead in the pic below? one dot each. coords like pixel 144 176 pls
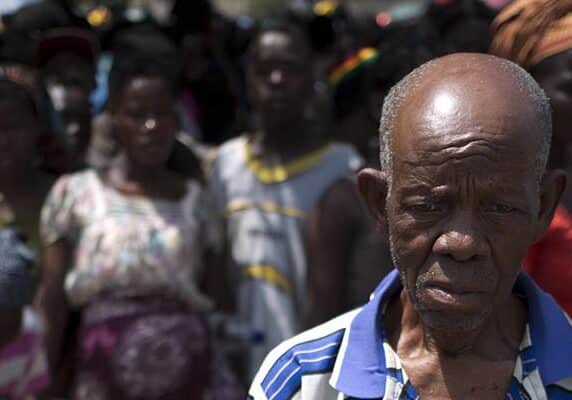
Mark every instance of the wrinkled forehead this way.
pixel 456 111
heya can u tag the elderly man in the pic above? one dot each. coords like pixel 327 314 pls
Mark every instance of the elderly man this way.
pixel 463 192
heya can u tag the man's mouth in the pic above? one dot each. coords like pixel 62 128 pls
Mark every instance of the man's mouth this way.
pixel 441 294
pixel 278 103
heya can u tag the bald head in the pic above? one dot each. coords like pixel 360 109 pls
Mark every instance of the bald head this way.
pixel 467 133
pixel 472 89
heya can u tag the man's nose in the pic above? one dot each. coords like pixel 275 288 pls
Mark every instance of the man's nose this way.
pixel 462 239
pixel 276 76
pixel 150 124
pixel 72 128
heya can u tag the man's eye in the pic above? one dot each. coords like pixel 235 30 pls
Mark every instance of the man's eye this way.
pixel 500 208
pixel 423 208
pixel 263 69
pixel 136 115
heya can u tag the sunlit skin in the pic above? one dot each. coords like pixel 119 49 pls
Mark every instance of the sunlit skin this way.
pixel 462 208
pixel 459 190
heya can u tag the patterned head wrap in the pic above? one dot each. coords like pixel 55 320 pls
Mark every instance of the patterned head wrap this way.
pixel 529 31
pixel 352 81
pixel 352 65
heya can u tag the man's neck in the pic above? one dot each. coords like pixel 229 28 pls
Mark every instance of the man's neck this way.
pixel 283 141
pixel 436 361
pixel 497 338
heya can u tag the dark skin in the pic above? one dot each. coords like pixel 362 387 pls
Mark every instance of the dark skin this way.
pixel 69 69
pixel 145 121
pixel 279 85
pixel 359 127
pixel 279 80
pixel 146 124
pixel 554 75
pixel 69 80
pixel 461 211
pixel 73 105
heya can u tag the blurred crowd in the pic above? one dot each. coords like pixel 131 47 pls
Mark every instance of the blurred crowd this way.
pixel 177 190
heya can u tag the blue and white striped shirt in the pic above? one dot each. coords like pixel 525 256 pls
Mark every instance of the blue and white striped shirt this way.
pixel 348 357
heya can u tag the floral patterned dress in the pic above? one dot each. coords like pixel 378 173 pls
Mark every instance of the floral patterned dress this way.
pixel 134 273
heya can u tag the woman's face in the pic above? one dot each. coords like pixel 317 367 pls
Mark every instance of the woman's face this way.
pixel 145 120
pixel 555 76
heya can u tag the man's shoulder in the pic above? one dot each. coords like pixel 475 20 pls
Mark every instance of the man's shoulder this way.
pixel 561 390
pixel 345 156
pixel 229 159
pixel 230 147
pixel 311 353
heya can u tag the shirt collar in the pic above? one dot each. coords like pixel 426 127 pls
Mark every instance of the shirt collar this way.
pixel 550 331
pixel 361 370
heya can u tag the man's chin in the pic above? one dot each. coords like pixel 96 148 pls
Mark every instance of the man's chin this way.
pixel 452 319
pixel 281 115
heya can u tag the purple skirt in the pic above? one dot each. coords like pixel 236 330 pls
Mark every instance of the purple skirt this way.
pixel 142 348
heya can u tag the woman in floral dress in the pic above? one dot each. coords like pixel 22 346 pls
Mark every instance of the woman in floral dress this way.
pixel 124 246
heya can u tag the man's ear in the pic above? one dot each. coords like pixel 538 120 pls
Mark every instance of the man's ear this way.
pixel 373 187
pixel 551 191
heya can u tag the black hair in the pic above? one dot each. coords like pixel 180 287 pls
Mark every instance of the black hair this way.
pixel 322 30
pixel 467 35
pixel 17 48
pixel 191 16
pixel 38 17
pixel 405 47
pixel 149 55
pixel 16 93
pixel 22 28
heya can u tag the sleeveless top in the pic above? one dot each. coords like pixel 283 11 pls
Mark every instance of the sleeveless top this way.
pixel 264 211
pixel 125 243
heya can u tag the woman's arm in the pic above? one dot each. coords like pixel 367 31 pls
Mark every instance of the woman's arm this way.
pixel 52 303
